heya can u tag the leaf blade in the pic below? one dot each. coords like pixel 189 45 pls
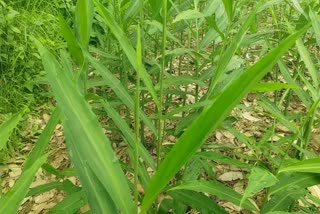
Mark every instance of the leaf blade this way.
pixel 210 118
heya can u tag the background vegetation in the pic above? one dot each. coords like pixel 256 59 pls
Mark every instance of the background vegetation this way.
pixel 165 106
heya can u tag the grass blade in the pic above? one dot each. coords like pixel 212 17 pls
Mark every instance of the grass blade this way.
pixel 277 114
pixel 98 197
pixel 287 180
pixel 73 46
pixel 230 51
pixel 309 165
pixel 84 17
pixel 89 148
pixel 210 118
pixel 7 127
pixel 127 48
pixel 258 180
pixel 127 133
pixel 44 139
pixel 198 201
pixel 218 189
pixel 70 204
pixel 135 7
pixel 305 55
pixel 273 86
pixel 221 158
pixel 287 76
pixel 228 4
pixel 119 90
pixel 11 201
pixel 315 24
pixel 282 201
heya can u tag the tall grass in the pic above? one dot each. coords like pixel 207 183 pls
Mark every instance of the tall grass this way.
pixel 155 57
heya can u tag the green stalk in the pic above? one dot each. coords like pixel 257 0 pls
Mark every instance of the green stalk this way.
pixel 136 119
pixel 163 67
pixel 179 73
pixel 196 60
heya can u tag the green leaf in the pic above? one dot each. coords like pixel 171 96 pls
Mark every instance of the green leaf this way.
pixel 135 7
pixel 90 150
pixel 258 180
pixel 273 86
pixel 159 27
pixel 228 5
pixel 98 196
pixel 66 186
pixel 283 200
pixel 309 165
pixel 315 25
pixel 44 139
pixel 8 126
pixel 300 179
pixel 127 133
pixel 71 40
pixel 283 212
pixel 187 15
pixel 187 107
pixel 218 157
pixel 198 201
pixel 127 48
pixel 229 52
pixel 84 17
pixel 217 189
pixel 298 7
pixel 118 89
pixel 155 7
pixel 276 113
pixel 305 56
pixel 180 80
pixel 70 204
pixel 303 95
pixel 10 202
pixel 211 117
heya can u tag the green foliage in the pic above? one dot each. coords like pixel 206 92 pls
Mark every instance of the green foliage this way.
pixel 20 67
pixel 167 70
pixel 7 127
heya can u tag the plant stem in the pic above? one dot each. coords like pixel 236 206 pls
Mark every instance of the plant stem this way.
pixel 160 124
pixel 136 119
pixel 196 59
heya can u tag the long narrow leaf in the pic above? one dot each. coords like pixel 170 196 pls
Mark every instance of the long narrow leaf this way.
pixel 128 134
pixel 70 204
pixel 84 17
pixel 310 165
pixel 287 180
pixel 7 127
pixel 44 139
pixel 127 48
pixel 119 89
pixel 229 52
pixel 217 189
pixel 98 197
pixel 197 201
pixel 85 138
pixel 71 40
pixel 10 202
pixel 135 7
pixel 258 180
pixel 282 201
pixel 210 118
